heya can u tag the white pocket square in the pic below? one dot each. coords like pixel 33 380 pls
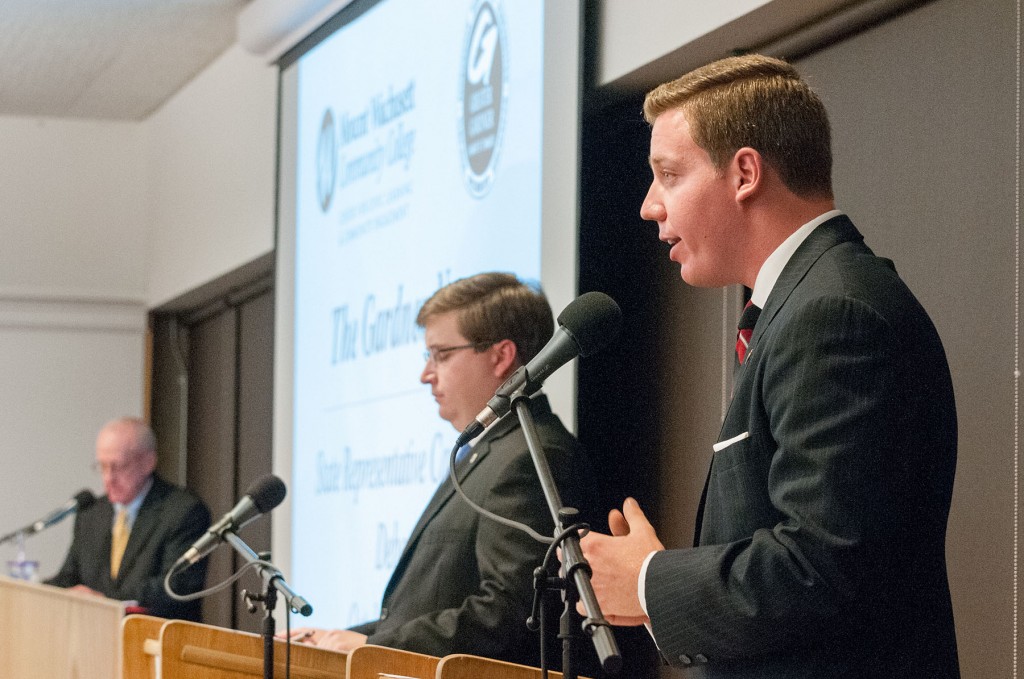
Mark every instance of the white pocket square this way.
pixel 722 445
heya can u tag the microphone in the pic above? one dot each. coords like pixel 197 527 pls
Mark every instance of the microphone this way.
pixel 264 494
pixel 587 325
pixel 82 500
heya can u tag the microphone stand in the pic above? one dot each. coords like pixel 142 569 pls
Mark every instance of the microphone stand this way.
pixel 272 581
pixel 576 570
pixel 16 535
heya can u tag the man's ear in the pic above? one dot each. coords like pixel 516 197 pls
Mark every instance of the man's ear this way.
pixel 506 358
pixel 747 172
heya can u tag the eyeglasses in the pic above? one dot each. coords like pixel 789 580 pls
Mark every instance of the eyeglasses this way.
pixel 115 468
pixel 437 355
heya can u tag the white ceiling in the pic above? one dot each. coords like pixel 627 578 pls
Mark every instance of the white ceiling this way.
pixel 106 59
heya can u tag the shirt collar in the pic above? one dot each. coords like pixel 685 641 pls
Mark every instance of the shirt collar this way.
pixel 132 508
pixel 776 262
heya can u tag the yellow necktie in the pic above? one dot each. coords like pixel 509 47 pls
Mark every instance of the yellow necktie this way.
pixel 119 540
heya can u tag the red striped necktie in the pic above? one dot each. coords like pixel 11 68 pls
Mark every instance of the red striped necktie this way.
pixel 746 329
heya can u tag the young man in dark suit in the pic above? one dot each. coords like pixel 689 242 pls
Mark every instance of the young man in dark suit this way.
pixel 127 541
pixel 821 533
pixel 464 583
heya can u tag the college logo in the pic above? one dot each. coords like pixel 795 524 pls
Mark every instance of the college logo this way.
pixel 326 162
pixel 484 94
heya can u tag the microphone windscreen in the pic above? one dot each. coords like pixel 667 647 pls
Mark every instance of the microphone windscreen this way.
pixel 84 499
pixel 267 492
pixel 593 319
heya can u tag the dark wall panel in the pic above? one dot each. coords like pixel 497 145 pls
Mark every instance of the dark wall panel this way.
pixel 211 439
pixel 211 410
pixel 924 116
pixel 617 396
pixel 255 406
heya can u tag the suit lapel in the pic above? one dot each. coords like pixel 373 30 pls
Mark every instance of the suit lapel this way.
pixel 104 517
pixel 145 523
pixel 837 230
pixel 445 491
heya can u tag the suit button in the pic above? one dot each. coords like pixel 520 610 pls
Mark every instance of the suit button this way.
pixel 685 659
pixel 384 614
pixel 700 658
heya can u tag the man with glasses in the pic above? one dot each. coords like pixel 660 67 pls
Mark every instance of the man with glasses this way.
pixel 464 583
pixel 125 543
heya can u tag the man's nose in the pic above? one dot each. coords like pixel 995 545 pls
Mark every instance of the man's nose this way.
pixel 652 209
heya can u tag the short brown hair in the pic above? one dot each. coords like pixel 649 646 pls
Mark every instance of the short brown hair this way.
pixel 759 102
pixel 493 307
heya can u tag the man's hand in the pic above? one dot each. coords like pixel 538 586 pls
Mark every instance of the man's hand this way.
pixel 341 640
pixel 303 635
pixel 616 560
pixel 333 640
pixel 82 589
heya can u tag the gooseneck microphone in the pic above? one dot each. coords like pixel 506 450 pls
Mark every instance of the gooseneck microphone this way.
pixel 82 500
pixel 588 324
pixel 264 494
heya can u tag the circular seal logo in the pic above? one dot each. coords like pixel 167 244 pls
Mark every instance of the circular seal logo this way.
pixel 484 94
pixel 326 162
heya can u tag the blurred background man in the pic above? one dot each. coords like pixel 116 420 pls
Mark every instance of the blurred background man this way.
pixel 127 541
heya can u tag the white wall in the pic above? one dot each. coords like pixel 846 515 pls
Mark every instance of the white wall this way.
pixel 630 39
pixel 102 221
pixel 642 43
pixel 72 315
pixel 74 220
pixel 66 368
pixel 211 159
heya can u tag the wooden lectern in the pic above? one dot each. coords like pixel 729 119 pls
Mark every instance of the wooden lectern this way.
pixel 140 646
pixel 175 649
pixel 51 632
pixel 371 662
pixel 475 667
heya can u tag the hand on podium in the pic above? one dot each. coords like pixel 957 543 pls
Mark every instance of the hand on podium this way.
pixel 82 589
pixel 332 640
pixel 130 607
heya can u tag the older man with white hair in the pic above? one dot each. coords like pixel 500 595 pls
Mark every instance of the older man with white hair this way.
pixel 127 541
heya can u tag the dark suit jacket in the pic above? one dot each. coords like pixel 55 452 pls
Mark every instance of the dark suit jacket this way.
pixel 821 546
pixel 464 583
pixel 169 521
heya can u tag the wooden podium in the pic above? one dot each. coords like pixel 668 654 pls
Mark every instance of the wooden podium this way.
pixel 475 667
pixel 55 633
pixel 51 632
pixel 174 649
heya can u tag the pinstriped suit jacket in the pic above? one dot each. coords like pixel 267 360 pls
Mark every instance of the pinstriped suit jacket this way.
pixel 822 531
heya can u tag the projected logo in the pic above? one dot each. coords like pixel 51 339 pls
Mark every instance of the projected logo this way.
pixel 326 162
pixel 484 94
